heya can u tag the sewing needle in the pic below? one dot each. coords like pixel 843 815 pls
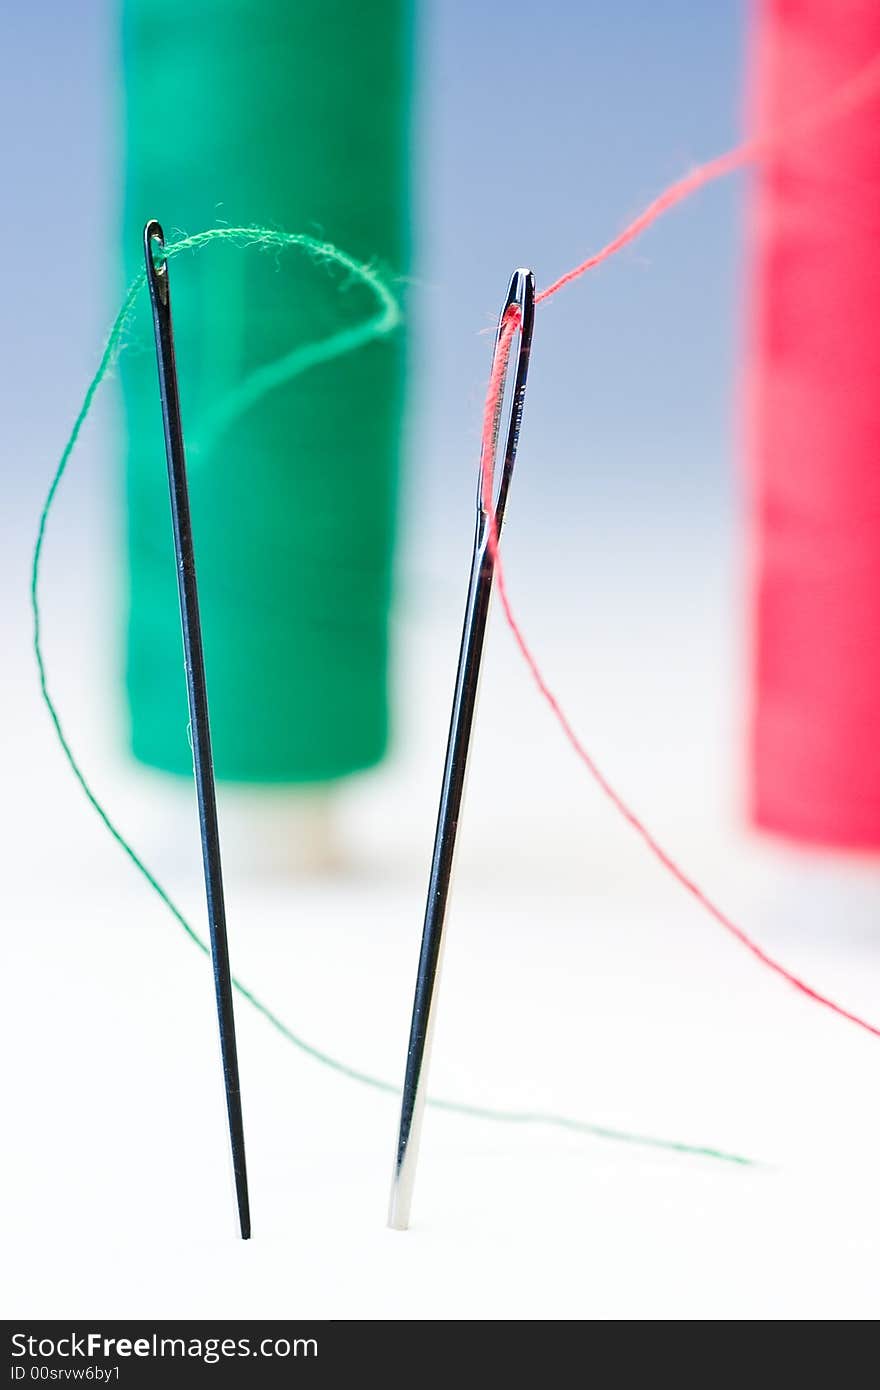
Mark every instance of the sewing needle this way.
pixel 522 295
pixel 194 659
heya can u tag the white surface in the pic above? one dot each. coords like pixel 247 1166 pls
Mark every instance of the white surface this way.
pixel 577 979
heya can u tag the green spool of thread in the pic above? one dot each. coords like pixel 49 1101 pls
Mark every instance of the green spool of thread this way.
pixel 293 115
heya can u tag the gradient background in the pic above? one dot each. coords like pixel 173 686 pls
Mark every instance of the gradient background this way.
pixel 578 978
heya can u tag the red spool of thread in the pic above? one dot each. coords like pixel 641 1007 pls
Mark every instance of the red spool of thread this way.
pixel 813 390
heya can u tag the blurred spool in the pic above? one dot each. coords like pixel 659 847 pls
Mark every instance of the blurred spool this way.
pixel 814 435
pixel 294 115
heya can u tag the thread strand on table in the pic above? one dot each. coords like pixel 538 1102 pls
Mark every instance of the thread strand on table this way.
pixel 844 99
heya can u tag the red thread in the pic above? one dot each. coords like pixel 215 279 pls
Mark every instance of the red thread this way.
pixel 845 98
pixel 812 434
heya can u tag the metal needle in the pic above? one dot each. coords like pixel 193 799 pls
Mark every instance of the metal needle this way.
pixel 522 294
pixel 194 658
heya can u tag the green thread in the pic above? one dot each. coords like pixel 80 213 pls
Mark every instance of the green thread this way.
pixel 265 379
pixel 274 374
pixel 281 130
